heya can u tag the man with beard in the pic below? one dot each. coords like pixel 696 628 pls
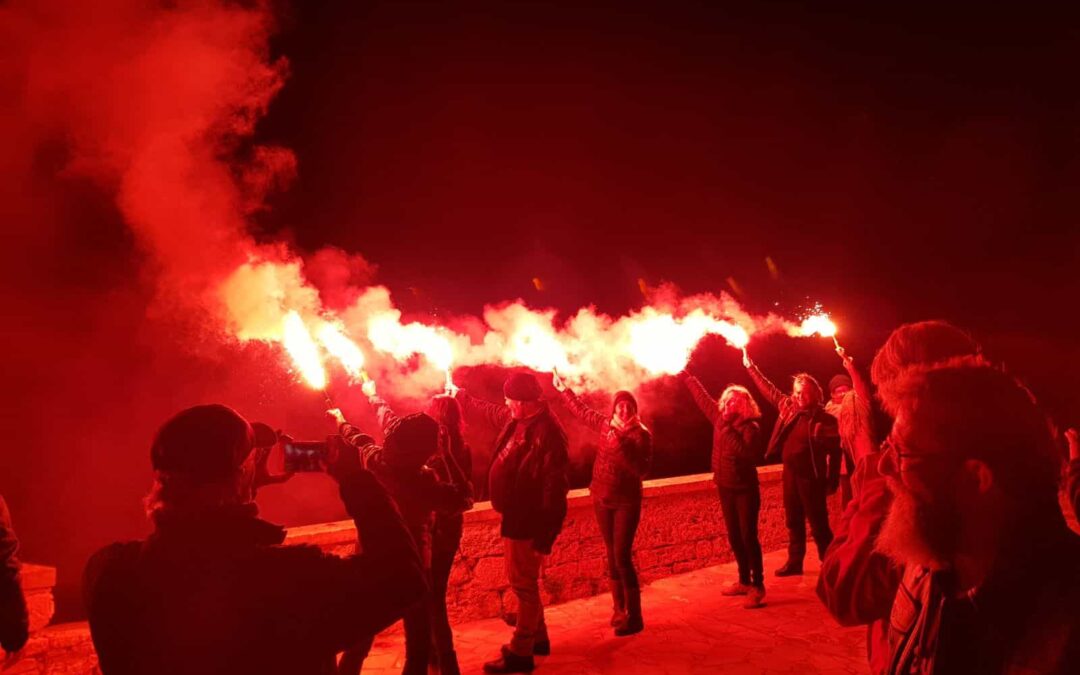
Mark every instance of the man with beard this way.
pixel 858 583
pixel 807 440
pixel 990 580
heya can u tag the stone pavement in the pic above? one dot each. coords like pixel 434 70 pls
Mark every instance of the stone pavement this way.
pixel 689 628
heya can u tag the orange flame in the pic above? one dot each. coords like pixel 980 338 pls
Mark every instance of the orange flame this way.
pixel 534 347
pixel 818 324
pixel 662 344
pixel 343 349
pixel 304 351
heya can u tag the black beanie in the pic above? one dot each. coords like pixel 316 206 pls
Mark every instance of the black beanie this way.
pixel 411 440
pixel 624 396
pixel 522 387
pixel 206 442
pixel 839 381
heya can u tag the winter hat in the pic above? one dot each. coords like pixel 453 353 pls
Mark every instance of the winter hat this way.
pixel 206 442
pixel 839 381
pixel 411 440
pixel 522 387
pixel 624 396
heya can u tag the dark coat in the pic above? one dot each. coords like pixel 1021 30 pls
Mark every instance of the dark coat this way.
pixel 535 504
pixel 215 593
pixel 736 447
pixel 14 621
pixel 624 456
pixel 825 456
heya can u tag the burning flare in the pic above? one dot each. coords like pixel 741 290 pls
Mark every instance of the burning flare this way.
pixel 304 351
pixel 344 350
pixel 818 324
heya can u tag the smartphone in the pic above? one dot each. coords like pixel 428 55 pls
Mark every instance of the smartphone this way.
pixel 303 455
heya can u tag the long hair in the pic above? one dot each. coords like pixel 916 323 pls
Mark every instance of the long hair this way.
pixel 447 411
pixel 747 406
pixel 922 343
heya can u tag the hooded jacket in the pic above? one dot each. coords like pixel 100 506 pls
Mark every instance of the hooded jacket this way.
pixel 624 456
pixel 531 475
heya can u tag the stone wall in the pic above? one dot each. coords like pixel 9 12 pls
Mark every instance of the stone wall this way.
pixel 681 530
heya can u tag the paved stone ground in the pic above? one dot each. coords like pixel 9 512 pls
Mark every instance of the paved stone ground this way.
pixel 689 628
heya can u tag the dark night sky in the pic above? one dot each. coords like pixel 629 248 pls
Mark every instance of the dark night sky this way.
pixel 897 164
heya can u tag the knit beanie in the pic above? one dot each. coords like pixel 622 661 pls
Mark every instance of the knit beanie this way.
pixel 522 387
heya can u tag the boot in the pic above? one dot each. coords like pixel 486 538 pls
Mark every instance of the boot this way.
pixel 448 664
pixel 634 623
pixel 790 568
pixel 618 601
pixel 510 662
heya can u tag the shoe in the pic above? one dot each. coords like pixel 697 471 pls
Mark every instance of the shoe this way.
pixel 542 648
pixel 634 623
pixel 735 588
pixel 755 598
pixel 510 662
pixel 789 569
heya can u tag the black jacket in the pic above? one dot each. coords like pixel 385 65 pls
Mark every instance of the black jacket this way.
pixel 736 447
pixel 216 594
pixel 534 505
pixel 824 440
pixel 14 622
pixel 624 456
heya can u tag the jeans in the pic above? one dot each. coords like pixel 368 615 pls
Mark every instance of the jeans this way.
pixel 804 499
pixel 618 524
pixel 740 507
pixel 523 571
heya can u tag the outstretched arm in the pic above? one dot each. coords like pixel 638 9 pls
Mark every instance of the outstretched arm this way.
pixel 767 388
pixel 494 414
pixel 701 397
pixel 592 418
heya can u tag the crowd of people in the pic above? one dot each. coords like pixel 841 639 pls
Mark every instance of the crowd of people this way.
pixel 952 548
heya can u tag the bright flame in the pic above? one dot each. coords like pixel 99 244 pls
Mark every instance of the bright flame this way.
pixel 343 349
pixel 304 351
pixel 818 324
pixel 388 335
pixel 534 347
pixel 662 344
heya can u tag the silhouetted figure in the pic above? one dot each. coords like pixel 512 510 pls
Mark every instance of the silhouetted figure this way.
pixel 737 449
pixel 1072 474
pixel 858 583
pixel 528 485
pixel 401 466
pixel 14 622
pixel 990 580
pixel 622 461
pixel 213 591
pixel 807 439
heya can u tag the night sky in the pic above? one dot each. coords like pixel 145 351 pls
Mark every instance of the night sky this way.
pixel 895 164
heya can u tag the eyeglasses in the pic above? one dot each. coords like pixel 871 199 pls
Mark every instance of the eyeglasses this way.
pixel 893 461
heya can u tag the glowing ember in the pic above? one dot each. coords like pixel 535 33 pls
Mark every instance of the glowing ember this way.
pixel 304 351
pixel 818 324
pixel 344 350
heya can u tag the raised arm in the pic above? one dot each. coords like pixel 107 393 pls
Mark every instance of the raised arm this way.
pixel 592 419
pixel 767 388
pixel 495 415
pixel 383 412
pixel 701 397
pixel 858 382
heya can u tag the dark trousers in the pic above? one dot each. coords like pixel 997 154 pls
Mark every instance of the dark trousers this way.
pixel 740 507
pixel 618 525
pixel 804 499
pixel 445 541
pixel 417 621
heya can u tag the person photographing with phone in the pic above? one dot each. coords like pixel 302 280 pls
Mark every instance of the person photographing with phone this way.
pixel 213 591
pixel 401 464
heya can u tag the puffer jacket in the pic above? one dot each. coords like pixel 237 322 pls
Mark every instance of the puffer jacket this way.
pixel 624 456
pixel 736 446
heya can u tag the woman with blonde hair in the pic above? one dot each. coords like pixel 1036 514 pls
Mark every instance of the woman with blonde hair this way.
pixel 737 449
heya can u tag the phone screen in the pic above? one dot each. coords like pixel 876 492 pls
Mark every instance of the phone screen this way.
pixel 303 455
